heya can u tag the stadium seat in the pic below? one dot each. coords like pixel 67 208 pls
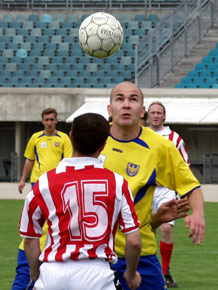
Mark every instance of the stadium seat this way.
pixel 126 17
pixel 47 18
pixel 23 31
pixel 9 53
pixel 20 18
pixel 17 38
pixel 13 46
pixel 28 25
pixel 59 18
pixel 54 25
pixel 139 17
pixel 8 17
pixel 36 32
pixel 33 17
pixel 15 24
pixel 154 19
pixel 21 53
pixel 72 18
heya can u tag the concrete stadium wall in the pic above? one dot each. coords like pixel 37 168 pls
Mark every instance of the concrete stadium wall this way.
pixel 21 106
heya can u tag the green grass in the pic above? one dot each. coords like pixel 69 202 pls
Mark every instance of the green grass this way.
pixel 9 240
pixel 194 267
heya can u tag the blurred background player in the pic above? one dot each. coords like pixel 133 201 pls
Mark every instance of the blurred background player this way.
pixel 83 203
pixel 145 159
pixel 157 116
pixel 44 151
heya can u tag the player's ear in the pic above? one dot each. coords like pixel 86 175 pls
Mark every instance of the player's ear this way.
pixel 142 112
pixel 70 135
pixel 109 110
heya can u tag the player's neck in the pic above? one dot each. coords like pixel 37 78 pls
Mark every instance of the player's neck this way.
pixel 125 133
pixel 157 128
pixel 50 133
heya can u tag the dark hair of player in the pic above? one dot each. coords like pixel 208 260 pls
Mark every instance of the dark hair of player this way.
pixel 89 133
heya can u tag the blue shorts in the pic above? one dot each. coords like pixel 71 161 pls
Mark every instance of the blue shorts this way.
pixel 22 279
pixel 149 269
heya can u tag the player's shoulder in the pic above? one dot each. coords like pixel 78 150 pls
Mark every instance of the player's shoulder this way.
pixel 149 135
pixel 62 134
pixel 37 135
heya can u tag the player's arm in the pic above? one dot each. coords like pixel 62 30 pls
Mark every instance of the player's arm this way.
pixel 28 165
pixel 168 211
pixel 196 221
pixel 132 255
pixel 32 251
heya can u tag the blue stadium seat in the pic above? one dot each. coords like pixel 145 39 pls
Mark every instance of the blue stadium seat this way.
pixel 16 25
pixel 154 19
pixel 47 18
pixel 3 24
pixel 29 25
pixel 139 17
pixel 20 18
pixel 33 17
pixel 59 18
pixel 73 18
pixel 7 17
pixel 55 25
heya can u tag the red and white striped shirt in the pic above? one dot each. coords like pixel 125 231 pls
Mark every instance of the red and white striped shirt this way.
pixel 82 203
pixel 177 141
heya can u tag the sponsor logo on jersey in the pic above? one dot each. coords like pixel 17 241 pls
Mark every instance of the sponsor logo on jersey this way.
pixel 43 145
pixel 117 150
pixel 57 144
pixel 132 169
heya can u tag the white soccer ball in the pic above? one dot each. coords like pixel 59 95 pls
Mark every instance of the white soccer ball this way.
pixel 100 35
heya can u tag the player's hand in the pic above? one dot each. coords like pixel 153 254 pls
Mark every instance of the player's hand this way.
pixel 133 282
pixel 21 186
pixel 196 225
pixel 170 210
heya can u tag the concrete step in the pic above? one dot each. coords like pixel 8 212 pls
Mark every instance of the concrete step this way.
pixel 182 68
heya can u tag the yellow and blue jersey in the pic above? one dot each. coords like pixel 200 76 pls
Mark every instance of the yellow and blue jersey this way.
pixel 145 162
pixel 47 152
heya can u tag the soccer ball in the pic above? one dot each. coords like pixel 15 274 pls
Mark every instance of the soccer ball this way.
pixel 100 35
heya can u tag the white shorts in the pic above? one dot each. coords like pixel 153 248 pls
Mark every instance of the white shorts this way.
pixel 161 195
pixel 76 275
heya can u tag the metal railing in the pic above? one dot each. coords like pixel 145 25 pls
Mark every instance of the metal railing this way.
pixel 85 4
pixel 176 34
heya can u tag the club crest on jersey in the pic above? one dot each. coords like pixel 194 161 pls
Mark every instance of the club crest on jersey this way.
pixel 43 145
pixel 132 169
pixel 57 144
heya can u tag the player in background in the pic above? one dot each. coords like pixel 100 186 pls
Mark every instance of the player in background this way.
pixel 83 203
pixel 44 151
pixel 157 116
pixel 146 160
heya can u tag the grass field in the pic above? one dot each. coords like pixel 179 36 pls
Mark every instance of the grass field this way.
pixel 193 267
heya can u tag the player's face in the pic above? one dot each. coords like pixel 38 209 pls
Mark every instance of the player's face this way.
pixel 156 116
pixel 49 121
pixel 126 106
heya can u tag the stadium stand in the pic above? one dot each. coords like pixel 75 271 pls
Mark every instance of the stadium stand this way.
pixel 37 46
pixel 205 74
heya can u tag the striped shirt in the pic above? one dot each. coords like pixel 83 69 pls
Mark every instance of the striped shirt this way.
pixel 83 203
pixel 177 141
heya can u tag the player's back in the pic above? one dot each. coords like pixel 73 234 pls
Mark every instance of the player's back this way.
pixel 82 204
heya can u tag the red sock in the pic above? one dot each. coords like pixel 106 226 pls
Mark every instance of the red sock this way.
pixel 166 253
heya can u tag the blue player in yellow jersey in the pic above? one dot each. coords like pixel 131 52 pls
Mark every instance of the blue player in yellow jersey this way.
pixel 44 151
pixel 146 159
